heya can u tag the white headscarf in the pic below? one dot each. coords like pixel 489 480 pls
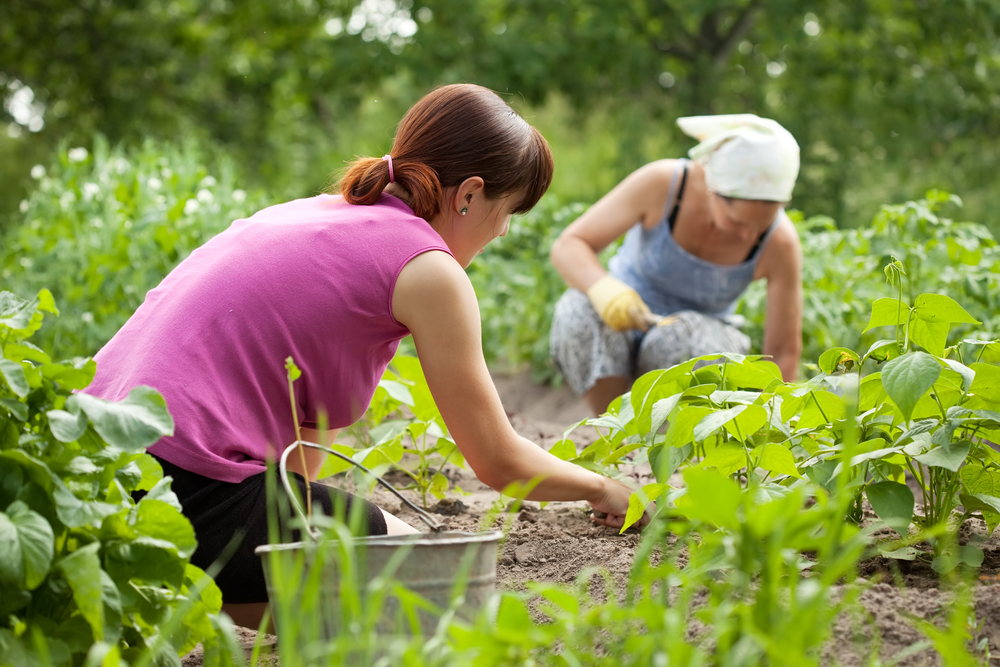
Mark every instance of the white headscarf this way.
pixel 745 156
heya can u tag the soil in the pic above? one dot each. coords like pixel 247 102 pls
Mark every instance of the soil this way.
pixel 558 542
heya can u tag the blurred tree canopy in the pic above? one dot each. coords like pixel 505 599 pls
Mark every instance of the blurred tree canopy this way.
pixel 907 89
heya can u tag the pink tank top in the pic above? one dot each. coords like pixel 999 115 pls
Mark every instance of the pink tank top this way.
pixel 312 279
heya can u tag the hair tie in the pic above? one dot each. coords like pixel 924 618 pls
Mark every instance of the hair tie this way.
pixel 388 158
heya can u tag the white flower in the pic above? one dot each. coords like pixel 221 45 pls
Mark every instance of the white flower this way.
pixel 204 196
pixel 37 172
pixel 78 154
pixel 154 183
pixel 190 206
pixel 239 196
pixel 88 318
pixel 91 190
pixel 208 181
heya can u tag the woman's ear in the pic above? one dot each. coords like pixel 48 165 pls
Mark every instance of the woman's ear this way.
pixel 467 192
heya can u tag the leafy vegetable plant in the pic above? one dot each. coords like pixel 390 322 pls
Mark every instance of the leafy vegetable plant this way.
pixel 86 571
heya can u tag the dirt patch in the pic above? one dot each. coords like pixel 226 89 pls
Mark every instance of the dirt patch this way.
pixel 559 543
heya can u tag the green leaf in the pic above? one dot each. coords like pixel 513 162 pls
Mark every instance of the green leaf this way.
pixel 839 359
pixel 639 501
pixel 159 520
pixel 661 410
pixel 131 424
pixel 334 465
pixel 726 458
pixel 711 497
pixel 776 458
pixel 968 375
pixel 69 376
pixel 941 308
pixel 882 350
pixel 932 336
pixel 65 426
pixel 950 455
pixel 711 423
pixel 398 391
pixel 987 381
pixel 821 408
pixel 908 377
pixel 747 422
pixel 37 543
pixel 564 449
pixel 981 482
pixel 13 374
pixel 11 555
pixel 888 312
pixel 893 503
pixel 82 570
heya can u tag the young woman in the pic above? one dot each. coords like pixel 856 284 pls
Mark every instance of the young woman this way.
pixel 335 281
pixel 698 234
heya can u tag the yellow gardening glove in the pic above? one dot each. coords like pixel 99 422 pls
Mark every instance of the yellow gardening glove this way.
pixel 619 305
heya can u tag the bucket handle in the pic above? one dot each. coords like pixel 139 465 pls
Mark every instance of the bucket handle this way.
pixel 423 514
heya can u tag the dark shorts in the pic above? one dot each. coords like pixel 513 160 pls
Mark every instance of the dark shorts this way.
pixel 218 510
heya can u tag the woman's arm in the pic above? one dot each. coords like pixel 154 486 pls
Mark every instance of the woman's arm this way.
pixel 434 299
pixel 641 197
pixel 781 266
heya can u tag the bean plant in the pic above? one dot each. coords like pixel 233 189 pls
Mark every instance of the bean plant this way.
pixel 102 228
pixel 87 572
pixel 403 429
pixel 922 414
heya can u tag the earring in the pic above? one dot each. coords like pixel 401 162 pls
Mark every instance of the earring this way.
pixel 465 209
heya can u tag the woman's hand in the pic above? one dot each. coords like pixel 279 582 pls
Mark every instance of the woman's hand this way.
pixel 611 506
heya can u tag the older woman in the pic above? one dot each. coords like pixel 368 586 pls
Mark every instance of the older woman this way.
pixel 698 232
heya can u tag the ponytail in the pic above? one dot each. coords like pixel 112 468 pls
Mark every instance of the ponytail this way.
pixel 367 177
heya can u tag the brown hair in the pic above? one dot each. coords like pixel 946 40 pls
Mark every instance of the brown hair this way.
pixel 451 134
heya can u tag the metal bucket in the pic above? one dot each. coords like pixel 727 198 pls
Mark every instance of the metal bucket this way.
pixel 452 571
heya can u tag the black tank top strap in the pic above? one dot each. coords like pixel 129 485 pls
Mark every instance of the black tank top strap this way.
pixel 672 218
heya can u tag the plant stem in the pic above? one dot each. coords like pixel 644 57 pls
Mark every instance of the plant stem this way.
pixel 302 451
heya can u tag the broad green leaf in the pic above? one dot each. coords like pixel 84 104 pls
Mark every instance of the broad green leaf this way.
pixel 941 308
pixel 564 449
pixel 69 376
pixel 776 458
pixel 987 506
pixel 681 429
pixel 334 465
pixel 19 315
pixel 727 458
pixel 950 455
pixel 903 553
pixel 638 501
pixel 986 382
pixel 908 377
pixel 839 359
pixel 37 543
pixel 882 350
pixel 666 460
pixel 930 335
pixel 131 424
pixel 968 375
pixel 11 554
pixel 13 373
pixel 661 410
pixel 423 407
pixel 714 421
pixel 887 312
pixel 82 570
pixel 398 391
pixel 747 422
pixel 981 481
pixel 65 426
pixel 159 520
pixel 711 497
pixel 749 375
pixel 656 385
pixel 821 408
pixel 893 503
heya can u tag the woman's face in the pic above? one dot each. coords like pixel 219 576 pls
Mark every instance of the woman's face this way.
pixel 482 224
pixel 742 219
